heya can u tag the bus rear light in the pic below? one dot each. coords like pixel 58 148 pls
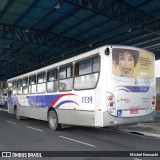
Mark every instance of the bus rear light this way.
pixel 154 97
pixel 110 104
pixel 110 98
pixel 153 102
pixel 113 122
pixel 153 107
pixel 111 110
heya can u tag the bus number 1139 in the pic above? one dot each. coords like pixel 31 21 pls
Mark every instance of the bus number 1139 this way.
pixel 87 99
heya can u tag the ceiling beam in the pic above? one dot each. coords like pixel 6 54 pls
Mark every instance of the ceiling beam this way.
pixel 120 11
pixel 36 37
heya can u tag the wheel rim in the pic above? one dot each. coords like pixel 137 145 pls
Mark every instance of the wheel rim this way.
pixel 53 120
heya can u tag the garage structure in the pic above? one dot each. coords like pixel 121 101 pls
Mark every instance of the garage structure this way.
pixel 36 33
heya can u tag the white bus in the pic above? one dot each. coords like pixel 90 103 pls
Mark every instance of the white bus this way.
pixel 110 85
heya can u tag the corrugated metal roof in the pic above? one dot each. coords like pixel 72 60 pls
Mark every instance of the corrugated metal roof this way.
pixel 57 28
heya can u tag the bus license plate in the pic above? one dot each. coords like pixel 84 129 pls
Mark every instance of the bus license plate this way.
pixel 134 111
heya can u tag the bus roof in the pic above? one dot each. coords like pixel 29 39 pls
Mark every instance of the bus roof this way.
pixel 76 58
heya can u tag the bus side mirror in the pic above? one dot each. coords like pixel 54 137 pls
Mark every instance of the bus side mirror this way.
pixel 9 85
pixel 107 52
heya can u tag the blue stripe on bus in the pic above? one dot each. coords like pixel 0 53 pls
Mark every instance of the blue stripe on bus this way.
pixel 14 101
pixel 135 89
pixel 43 101
pixel 63 102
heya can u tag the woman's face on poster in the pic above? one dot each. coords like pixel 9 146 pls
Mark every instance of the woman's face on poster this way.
pixel 126 64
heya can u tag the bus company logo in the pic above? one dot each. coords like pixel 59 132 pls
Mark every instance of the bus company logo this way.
pixel 21 154
pixel 134 107
pixel 6 154
pixel 125 100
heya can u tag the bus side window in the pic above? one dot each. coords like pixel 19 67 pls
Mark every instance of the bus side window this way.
pixel 9 89
pixel 32 84
pixel 41 82
pixel 14 86
pixel 52 83
pixel 87 73
pixel 19 86
pixel 9 93
pixel 25 85
pixel 66 77
pixel 95 64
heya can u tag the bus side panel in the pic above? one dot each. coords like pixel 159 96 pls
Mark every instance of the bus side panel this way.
pixel 26 107
pixel 100 106
pixel 36 106
pixel 82 107
pixel 32 112
pixel 63 116
pixel 10 108
pixel 61 105
pixel 83 118
pixel 42 103
pixel 11 103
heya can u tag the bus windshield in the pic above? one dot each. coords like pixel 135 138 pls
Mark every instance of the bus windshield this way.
pixel 132 63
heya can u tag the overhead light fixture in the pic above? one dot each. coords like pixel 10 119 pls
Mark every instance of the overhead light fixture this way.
pixel 129 30
pixel 57 6
pixel 27 30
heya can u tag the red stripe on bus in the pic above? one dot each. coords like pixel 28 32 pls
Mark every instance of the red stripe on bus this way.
pixel 54 102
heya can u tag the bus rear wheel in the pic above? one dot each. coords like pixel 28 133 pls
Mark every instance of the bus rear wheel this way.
pixel 53 121
pixel 18 117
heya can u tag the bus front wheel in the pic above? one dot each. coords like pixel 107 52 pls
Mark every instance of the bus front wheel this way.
pixel 53 121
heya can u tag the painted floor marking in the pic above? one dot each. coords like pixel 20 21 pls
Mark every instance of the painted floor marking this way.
pixel 35 128
pixel 77 141
pixel 10 122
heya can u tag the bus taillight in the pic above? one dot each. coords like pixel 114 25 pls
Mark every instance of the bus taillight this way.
pixel 113 122
pixel 153 102
pixel 110 98
pixel 154 97
pixel 110 104
pixel 111 110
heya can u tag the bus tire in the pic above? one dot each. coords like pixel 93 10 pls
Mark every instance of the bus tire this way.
pixel 53 121
pixel 18 117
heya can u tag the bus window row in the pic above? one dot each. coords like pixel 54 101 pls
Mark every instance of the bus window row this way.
pixel 86 73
